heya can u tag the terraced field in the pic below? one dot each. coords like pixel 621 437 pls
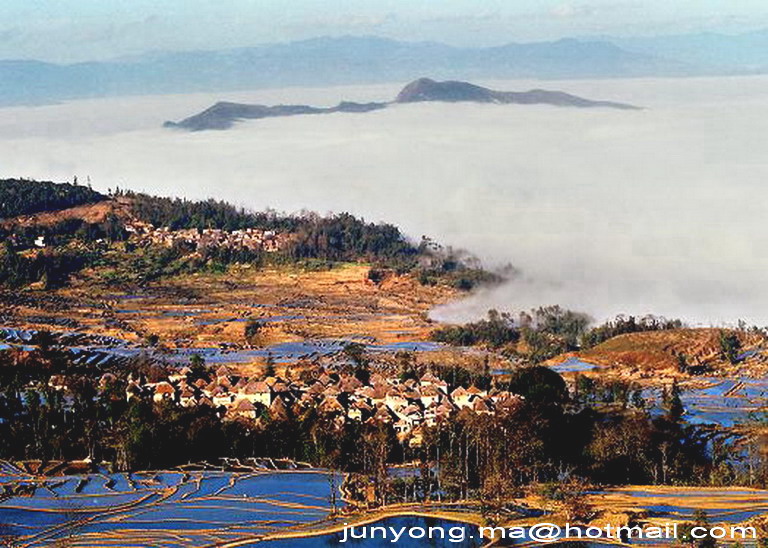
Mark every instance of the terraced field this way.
pixel 209 310
pixel 721 505
pixel 285 508
pixel 725 401
pixel 167 509
pixel 118 351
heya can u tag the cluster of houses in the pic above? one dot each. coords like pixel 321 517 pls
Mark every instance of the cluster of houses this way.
pixel 247 238
pixel 407 405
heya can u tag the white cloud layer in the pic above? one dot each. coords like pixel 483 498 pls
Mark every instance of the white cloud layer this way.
pixel 605 211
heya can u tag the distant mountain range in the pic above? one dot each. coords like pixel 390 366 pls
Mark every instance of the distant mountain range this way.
pixel 223 115
pixel 361 60
pixel 707 52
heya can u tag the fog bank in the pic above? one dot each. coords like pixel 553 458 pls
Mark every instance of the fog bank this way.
pixel 603 211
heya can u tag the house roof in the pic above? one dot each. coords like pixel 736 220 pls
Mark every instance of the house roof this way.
pixel 245 405
pixel 324 379
pixel 412 394
pixel 223 371
pixel 164 388
pixel 330 405
pixel 428 378
pixel 411 410
pixel 350 384
pixel 316 388
pixel 256 388
pixel 331 391
pixel 460 391
pixel 360 404
pixel 384 414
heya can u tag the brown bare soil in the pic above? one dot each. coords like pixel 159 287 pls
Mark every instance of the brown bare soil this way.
pixel 90 213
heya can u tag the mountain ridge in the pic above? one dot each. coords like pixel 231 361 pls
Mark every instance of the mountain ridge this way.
pixel 356 60
pixel 223 115
pixel 324 61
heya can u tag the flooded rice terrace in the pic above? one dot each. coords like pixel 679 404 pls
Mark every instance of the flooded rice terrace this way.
pixel 181 509
pixel 106 351
pixel 725 401
pixel 274 509
pixel 169 508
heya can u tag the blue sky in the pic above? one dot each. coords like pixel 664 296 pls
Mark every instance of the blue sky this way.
pixel 74 30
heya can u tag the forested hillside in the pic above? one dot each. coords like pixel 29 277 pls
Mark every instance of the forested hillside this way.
pixel 177 213
pixel 137 238
pixel 341 237
pixel 24 197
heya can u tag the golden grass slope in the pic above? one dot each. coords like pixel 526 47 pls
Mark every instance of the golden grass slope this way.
pixel 656 352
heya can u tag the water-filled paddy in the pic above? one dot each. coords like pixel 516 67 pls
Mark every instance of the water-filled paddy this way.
pixel 573 365
pixel 153 509
pixel 99 351
pixel 724 402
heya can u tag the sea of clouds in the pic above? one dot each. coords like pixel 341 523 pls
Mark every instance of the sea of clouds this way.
pixel 660 211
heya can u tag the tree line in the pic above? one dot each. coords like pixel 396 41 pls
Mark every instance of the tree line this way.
pixel 542 332
pixel 547 331
pixel 25 197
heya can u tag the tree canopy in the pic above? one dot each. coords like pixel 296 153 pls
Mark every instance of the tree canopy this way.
pixel 24 197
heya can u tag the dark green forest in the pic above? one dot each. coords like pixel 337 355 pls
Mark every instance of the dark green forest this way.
pixel 178 213
pixel 24 197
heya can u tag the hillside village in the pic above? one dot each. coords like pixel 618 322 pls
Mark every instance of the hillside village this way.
pixel 406 405
pixel 248 238
pixel 143 233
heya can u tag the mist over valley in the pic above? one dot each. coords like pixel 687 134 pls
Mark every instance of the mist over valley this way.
pixel 605 211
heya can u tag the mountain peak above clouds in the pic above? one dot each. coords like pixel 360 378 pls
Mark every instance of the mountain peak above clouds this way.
pixel 223 115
